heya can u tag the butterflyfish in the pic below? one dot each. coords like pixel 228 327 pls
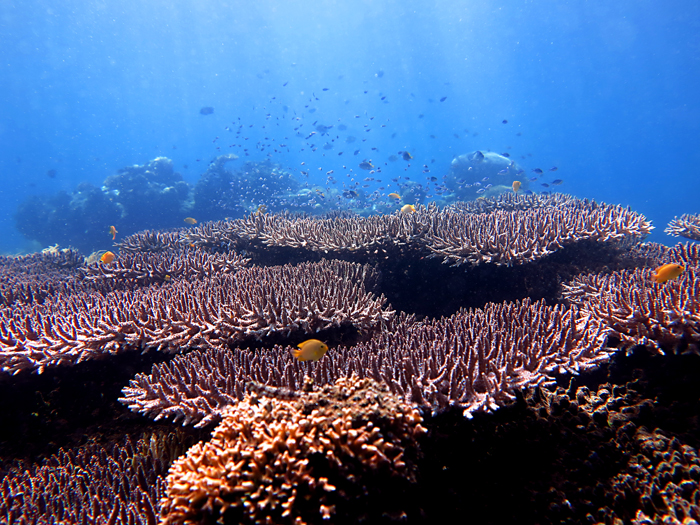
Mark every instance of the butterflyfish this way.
pixel 190 220
pixel 394 196
pixel 311 350
pixel 516 185
pixel 667 272
pixel 107 257
pixel 113 232
pixel 408 208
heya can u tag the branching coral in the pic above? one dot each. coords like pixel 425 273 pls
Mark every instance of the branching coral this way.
pixel 269 458
pixel 218 312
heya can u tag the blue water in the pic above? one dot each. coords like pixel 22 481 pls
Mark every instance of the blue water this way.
pixel 606 91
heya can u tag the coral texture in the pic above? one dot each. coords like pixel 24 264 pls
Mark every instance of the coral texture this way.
pixel 687 226
pixel 641 311
pixel 91 484
pixel 218 312
pixel 290 461
pixel 474 360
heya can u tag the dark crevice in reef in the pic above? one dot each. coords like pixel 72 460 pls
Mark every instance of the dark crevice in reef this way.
pixel 557 458
pixel 67 406
pixel 428 288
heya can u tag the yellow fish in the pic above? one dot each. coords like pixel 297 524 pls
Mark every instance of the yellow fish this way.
pixel 107 257
pixel 311 350
pixel 394 196
pixel 113 232
pixel 516 185
pixel 667 272
pixel 190 220
pixel 408 208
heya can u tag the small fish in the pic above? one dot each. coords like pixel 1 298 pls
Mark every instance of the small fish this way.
pixel 667 272
pixel 350 194
pixel 545 185
pixel 310 350
pixel 538 171
pixel 553 168
pixel 113 232
pixel 557 182
pixel 516 185
pixel 261 210
pixel 206 110
pixel 408 208
pixel 505 121
pixel 477 155
pixel 51 174
pixel 107 257
pixel 394 196
pixel 504 171
pixel 405 155
pixel 443 99
pixel 190 220
pixel 366 165
pixel 506 155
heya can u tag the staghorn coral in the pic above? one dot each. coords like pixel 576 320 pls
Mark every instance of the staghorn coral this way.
pixel 474 360
pixel 640 311
pixel 147 268
pixel 506 230
pixel 149 241
pixel 294 461
pixel 121 483
pixel 32 278
pixel 687 226
pixel 225 310
pixel 508 236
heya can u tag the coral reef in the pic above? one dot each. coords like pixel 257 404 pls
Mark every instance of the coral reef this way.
pixel 32 278
pixel 640 311
pixel 225 310
pixel 92 484
pixel 294 461
pixel 221 193
pixel 232 297
pixel 474 360
pixel 142 269
pixel 79 219
pixel 687 226
pixel 504 231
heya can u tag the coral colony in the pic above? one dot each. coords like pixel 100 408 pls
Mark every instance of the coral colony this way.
pixel 463 341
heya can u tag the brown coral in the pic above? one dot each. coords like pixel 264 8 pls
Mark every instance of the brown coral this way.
pixel 508 236
pixel 92 484
pixel 640 311
pixel 142 269
pixel 222 311
pixel 687 226
pixel 474 360
pixel 272 460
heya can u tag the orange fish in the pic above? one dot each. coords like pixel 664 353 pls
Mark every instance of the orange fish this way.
pixel 107 257
pixel 516 185
pixel 408 208
pixel 667 272
pixel 394 196
pixel 311 350
pixel 190 220
pixel 113 232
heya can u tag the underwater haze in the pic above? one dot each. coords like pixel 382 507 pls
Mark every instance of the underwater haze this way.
pixel 350 101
